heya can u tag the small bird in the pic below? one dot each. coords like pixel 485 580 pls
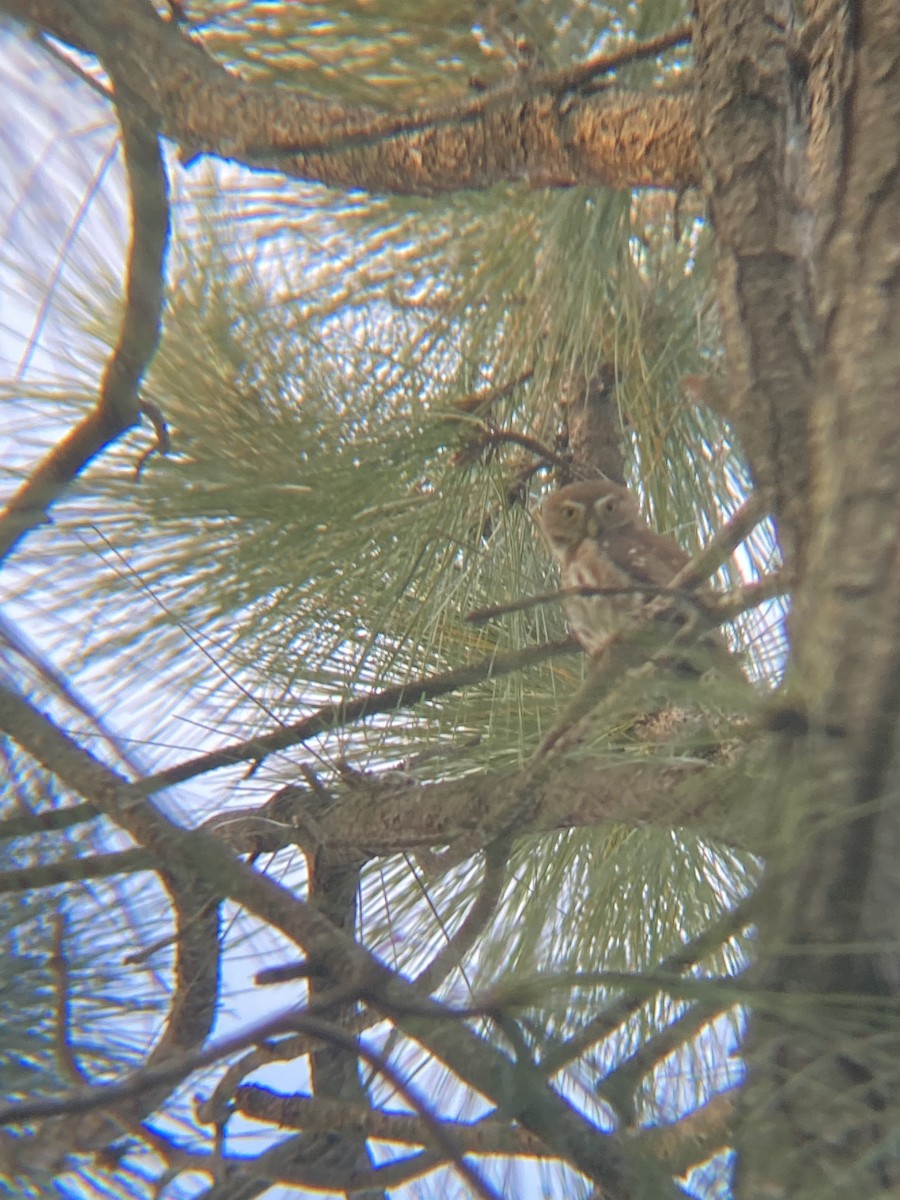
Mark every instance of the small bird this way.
pixel 596 532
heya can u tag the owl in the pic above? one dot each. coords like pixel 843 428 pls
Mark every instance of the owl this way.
pixel 600 539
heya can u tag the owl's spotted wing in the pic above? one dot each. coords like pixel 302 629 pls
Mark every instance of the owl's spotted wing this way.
pixel 617 560
pixel 649 558
pixel 653 560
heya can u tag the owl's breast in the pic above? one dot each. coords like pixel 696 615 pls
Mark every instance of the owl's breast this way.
pixel 595 619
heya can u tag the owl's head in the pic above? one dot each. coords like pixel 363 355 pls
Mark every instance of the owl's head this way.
pixel 585 510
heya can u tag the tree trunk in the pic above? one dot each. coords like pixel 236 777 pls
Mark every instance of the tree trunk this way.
pixel 808 288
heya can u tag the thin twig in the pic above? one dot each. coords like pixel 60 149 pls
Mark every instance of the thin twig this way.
pixel 335 716
pixel 163 443
pixel 685 958
pixel 576 78
pixel 487 436
pixel 548 456
pixel 477 402
pixel 147 952
pixel 480 912
pixel 480 616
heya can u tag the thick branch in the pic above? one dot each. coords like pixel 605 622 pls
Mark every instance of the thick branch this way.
pixel 542 131
pixel 387 818
pixel 378 818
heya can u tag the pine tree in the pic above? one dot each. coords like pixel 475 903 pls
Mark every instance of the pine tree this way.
pixel 331 865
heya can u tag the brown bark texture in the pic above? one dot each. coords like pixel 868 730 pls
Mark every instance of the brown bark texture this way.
pixel 798 125
pixel 537 129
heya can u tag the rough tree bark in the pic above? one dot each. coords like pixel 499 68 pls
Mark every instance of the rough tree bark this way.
pixel 538 128
pixel 806 218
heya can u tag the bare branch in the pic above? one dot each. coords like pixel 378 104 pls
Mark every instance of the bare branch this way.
pixel 720 546
pixel 202 856
pixel 384 817
pixel 163 443
pixel 91 866
pixel 487 436
pixel 480 616
pixel 601 64
pixel 338 715
pixel 106 1095
pixel 726 606
pixel 189 852
pixel 62 1038
pixel 118 406
pixel 47 822
pixel 21 645
pixel 487 1136
pixel 438 1132
pixel 620 1088
pixel 696 1136
pixel 479 402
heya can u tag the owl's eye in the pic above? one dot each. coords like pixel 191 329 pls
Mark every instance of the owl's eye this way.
pixel 568 512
